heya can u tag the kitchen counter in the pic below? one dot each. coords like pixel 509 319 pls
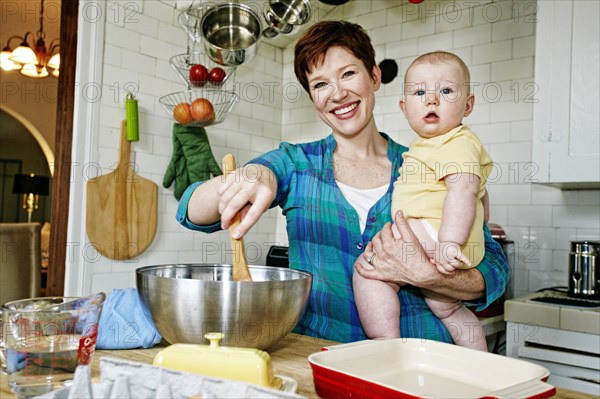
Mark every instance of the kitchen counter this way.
pixel 288 357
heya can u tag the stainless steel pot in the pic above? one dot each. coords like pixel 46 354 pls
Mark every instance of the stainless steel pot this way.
pixel 230 33
pixel 188 301
pixel 283 16
pixel 584 273
pixel 276 26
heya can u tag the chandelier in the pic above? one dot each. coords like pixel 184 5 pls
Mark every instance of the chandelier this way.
pixel 33 61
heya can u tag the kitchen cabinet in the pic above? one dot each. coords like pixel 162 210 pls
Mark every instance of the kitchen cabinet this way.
pixel 566 139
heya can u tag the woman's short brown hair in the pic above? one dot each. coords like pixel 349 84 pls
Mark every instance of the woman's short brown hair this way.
pixel 313 45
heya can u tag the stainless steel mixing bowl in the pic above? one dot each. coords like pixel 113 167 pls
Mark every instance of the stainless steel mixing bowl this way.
pixel 188 301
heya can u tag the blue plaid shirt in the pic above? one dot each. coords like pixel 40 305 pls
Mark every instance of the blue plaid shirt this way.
pixel 325 240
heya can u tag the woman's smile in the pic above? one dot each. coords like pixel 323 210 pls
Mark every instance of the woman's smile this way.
pixel 346 111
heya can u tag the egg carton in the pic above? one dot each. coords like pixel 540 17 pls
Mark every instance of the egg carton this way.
pixel 125 379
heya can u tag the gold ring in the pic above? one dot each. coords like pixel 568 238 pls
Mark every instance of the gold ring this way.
pixel 371 259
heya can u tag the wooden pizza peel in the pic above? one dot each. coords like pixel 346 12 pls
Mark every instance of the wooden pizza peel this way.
pixel 121 209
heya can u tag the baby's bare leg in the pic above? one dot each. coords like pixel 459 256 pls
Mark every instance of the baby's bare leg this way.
pixel 378 307
pixel 463 326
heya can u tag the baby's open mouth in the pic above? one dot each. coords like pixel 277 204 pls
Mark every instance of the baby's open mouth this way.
pixel 431 117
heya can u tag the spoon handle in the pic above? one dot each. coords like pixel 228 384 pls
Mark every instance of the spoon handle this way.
pixel 240 263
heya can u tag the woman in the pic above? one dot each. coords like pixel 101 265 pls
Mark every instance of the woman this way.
pixel 335 194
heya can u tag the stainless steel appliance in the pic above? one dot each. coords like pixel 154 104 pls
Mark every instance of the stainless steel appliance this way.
pixel 584 276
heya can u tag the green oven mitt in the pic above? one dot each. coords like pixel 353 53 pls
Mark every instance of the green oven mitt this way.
pixel 192 159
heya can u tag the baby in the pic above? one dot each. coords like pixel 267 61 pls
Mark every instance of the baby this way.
pixel 441 190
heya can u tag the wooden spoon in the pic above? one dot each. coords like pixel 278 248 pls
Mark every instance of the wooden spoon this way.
pixel 240 263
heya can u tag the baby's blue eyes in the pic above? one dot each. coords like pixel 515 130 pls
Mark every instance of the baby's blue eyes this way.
pixel 319 85
pixel 444 91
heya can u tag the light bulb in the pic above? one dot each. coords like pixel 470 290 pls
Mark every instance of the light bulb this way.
pixel 6 63
pixel 24 55
pixel 54 61
pixel 33 72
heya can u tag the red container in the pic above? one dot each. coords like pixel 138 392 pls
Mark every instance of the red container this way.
pixel 415 368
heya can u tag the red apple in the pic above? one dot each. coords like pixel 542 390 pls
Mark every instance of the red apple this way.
pixel 182 113
pixel 202 110
pixel 216 76
pixel 198 75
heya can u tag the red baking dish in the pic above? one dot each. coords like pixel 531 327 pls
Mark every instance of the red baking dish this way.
pixel 416 368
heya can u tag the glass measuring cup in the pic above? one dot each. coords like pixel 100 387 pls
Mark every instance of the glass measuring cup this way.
pixel 45 339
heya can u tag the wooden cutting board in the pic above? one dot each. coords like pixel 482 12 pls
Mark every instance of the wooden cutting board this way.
pixel 122 209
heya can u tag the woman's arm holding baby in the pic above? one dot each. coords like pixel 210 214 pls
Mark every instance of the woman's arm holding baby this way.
pixel 403 260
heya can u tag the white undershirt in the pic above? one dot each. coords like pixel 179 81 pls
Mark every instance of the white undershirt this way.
pixel 362 199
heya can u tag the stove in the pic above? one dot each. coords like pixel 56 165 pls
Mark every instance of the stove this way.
pixel 559 333
pixel 555 310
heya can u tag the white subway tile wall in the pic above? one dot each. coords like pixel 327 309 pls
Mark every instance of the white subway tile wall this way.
pixel 495 38
pixel 140 38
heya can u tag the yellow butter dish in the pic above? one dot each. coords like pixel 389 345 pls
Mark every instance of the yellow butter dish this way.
pixel 242 364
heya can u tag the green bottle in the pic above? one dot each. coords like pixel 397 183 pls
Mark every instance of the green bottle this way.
pixel 131 113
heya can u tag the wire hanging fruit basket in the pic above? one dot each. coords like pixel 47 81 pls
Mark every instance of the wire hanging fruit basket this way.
pixel 190 22
pixel 199 107
pixel 210 93
pixel 196 69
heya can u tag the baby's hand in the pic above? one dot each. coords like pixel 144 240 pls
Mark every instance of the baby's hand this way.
pixel 449 257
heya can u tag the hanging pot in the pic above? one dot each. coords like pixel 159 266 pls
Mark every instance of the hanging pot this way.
pixel 283 16
pixel 230 33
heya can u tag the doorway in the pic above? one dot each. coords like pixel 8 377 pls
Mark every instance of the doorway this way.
pixel 21 153
pixel 59 214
